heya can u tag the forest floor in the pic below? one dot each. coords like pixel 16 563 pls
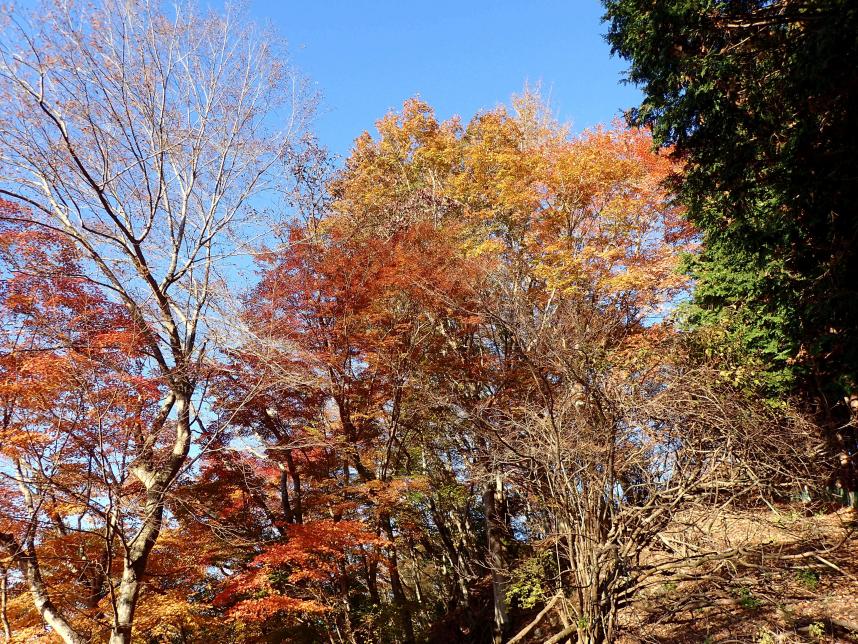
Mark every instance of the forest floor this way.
pixel 797 584
pixel 803 589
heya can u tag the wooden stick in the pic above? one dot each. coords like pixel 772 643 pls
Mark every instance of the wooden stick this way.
pixel 523 632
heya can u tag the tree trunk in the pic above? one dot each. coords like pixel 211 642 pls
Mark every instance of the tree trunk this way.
pixel 126 602
pixel 43 603
pixel 137 556
pixel 399 597
pixel 134 566
pixel 371 571
pixel 458 563
pixel 345 618
pixel 495 531
pixel 591 633
pixel 296 487
pixel 286 507
pixel 7 629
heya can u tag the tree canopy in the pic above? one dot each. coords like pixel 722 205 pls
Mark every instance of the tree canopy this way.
pixel 758 101
pixel 484 380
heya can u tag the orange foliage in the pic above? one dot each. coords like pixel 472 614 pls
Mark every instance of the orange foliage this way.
pixel 312 554
pixel 390 310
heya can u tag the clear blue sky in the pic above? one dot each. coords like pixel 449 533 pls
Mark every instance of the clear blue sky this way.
pixel 368 56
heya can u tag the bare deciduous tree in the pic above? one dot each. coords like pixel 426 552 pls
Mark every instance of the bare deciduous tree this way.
pixel 146 136
pixel 621 437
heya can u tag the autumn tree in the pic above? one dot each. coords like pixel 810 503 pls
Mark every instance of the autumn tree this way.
pixel 626 449
pixel 546 216
pixel 351 313
pixel 144 136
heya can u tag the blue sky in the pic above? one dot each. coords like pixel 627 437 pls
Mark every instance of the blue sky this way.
pixel 368 56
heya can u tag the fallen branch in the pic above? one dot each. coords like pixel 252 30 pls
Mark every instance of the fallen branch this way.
pixel 566 632
pixel 523 632
pixel 834 567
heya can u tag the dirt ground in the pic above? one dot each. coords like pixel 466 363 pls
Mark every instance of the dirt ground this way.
pixel 802 588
